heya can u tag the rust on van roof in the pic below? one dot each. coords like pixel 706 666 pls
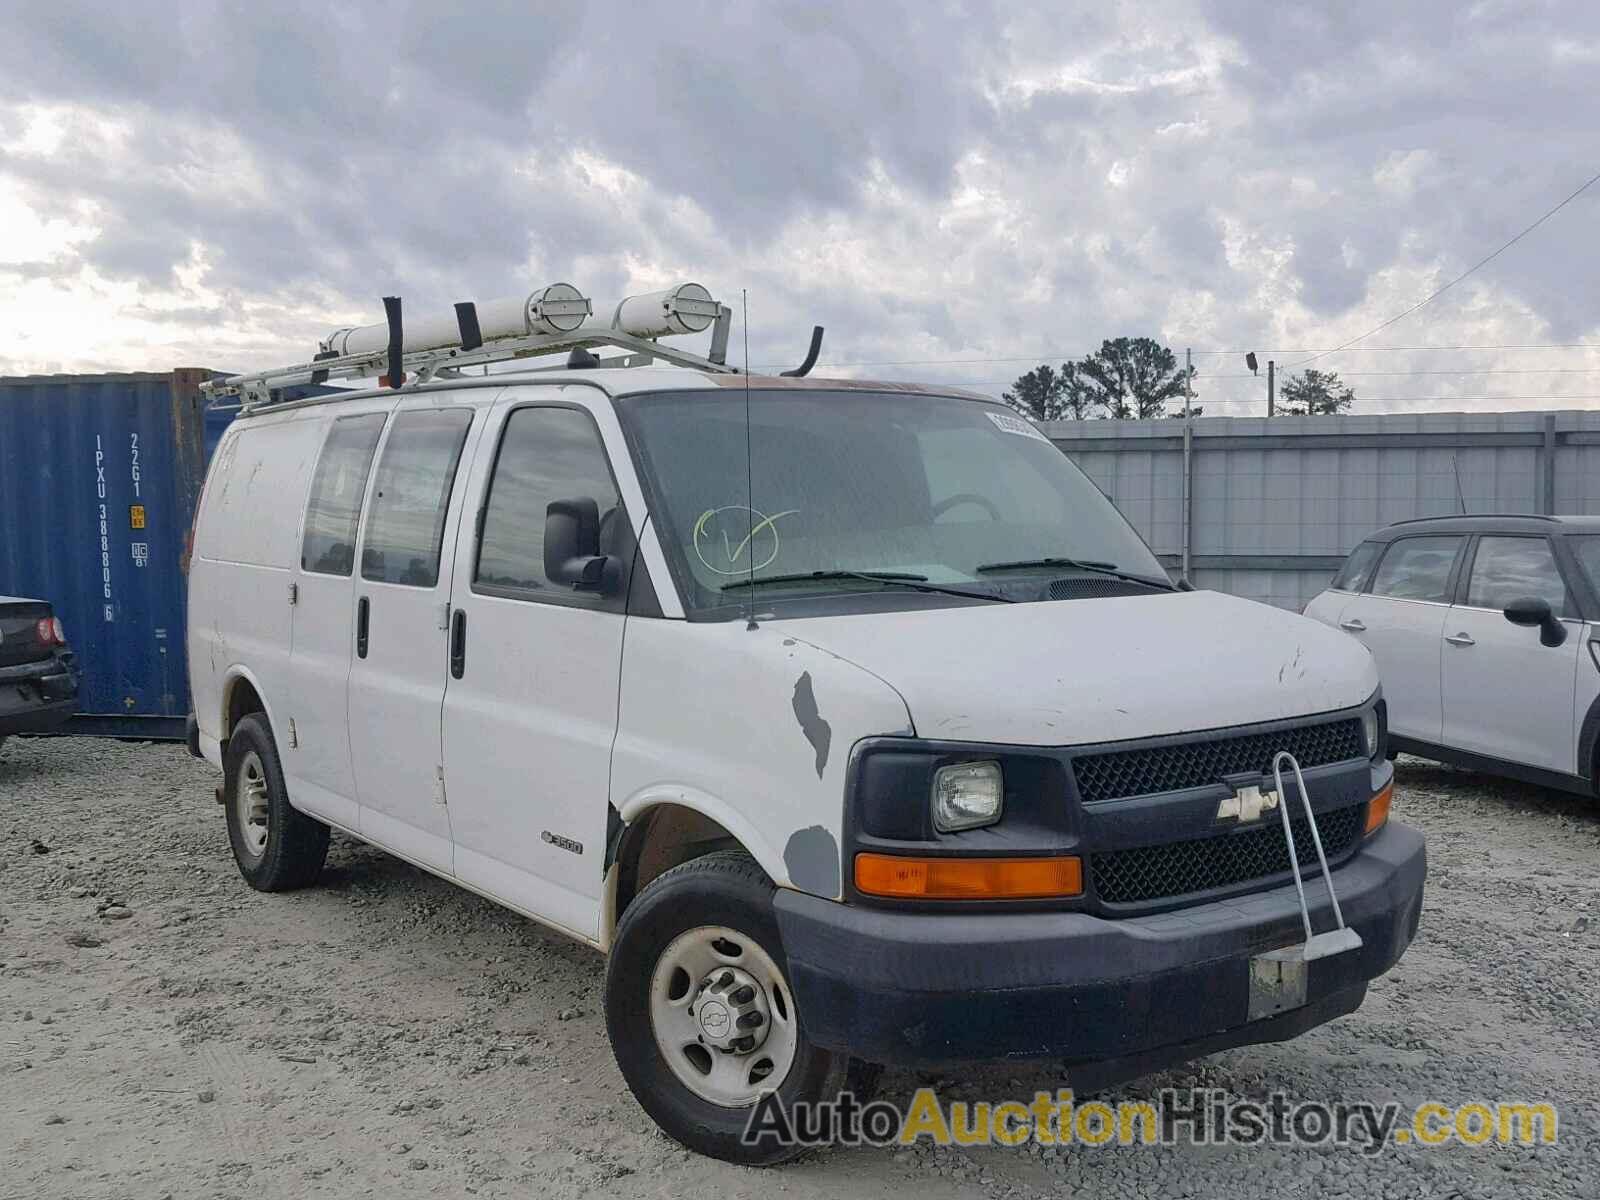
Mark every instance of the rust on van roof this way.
pixel 772 382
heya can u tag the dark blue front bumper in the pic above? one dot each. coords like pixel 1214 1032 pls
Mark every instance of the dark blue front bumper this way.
pixel 1130 994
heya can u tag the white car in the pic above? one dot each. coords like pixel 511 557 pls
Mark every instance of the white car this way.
pixel 850 720
pixel 1486 631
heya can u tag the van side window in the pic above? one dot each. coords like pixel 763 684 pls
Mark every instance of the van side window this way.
pixel 1355 569
pixel 405 525
pixel 1417 568
pixel 334 509
pixel 545 454
pixel 1509 568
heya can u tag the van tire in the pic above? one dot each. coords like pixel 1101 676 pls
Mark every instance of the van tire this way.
pixel 296 845
pixel 725 889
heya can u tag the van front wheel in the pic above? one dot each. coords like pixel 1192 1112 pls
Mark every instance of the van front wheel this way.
pixel 700 1014
pixel 277 847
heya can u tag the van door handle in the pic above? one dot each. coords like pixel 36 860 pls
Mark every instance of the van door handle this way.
pixel 1460 639
pixel 362 614
pixel 458 644
pixel 1353 626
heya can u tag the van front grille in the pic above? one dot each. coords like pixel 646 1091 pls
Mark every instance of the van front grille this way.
pixel 1114 774
pixel 1178 869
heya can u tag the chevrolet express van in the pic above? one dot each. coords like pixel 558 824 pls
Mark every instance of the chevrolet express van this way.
pixel 850 721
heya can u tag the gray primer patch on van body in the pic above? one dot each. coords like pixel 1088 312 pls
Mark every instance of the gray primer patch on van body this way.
pixel 812 857
pixel 818 732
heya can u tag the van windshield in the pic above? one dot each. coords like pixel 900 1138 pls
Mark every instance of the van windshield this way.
pixel 949 492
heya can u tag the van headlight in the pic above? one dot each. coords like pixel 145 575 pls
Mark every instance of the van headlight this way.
pixel 967 796
pixel 1372 731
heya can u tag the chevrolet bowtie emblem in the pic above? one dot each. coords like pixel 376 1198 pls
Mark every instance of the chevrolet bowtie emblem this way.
pixel 1247 804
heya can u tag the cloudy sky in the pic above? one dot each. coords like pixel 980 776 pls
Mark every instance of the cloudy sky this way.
pixel 957 191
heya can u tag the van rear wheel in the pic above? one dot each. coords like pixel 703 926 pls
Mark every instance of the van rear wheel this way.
pixel 700 1014
pixel 277 847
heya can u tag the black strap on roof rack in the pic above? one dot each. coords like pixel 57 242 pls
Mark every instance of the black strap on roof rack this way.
pixel 396 375
pixel 467 323
pixel 318 377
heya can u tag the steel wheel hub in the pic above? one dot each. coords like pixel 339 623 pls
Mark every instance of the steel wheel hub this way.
pixel 732 1011
pixel 722 1016
pixel 250 803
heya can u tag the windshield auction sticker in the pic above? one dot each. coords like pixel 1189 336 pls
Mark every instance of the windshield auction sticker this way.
pixel 1009 424
pixel 1196 1116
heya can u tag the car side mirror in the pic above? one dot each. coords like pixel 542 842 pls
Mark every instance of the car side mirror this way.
pixel 572 547
pixel 1531 611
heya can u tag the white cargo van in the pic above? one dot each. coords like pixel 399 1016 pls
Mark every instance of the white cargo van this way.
pixel 850 720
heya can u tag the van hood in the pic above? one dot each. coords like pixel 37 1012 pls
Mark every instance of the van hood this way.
pixel 1072 672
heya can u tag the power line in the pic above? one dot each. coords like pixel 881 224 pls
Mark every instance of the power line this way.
pixel 1256 379
pixel 1452 371
pixel 1204 398
pixel 1554 400
pixel 1069 355
pixel 1482 262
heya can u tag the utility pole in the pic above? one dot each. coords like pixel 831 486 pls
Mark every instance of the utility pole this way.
pixel 1272 386
pixel 1188 459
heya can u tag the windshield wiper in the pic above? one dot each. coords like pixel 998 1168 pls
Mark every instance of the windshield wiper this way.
pixel 1082 564
pixel 902 578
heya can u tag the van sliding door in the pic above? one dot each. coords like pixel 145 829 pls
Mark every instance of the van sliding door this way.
pixel 316 748
pixel 397 675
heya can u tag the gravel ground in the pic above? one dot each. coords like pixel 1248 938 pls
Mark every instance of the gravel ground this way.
pixel 388 1034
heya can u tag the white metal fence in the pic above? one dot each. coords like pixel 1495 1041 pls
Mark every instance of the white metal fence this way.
pixel 1272 506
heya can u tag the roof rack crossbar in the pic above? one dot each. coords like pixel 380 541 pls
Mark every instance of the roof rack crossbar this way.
pixel 255 390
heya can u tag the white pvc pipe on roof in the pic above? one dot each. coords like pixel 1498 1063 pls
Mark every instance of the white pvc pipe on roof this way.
pixel 559 308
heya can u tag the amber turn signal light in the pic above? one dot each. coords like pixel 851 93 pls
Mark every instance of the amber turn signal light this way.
pixel 905 878
pixel 1378 809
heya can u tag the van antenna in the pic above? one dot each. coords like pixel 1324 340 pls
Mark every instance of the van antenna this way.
pixel 749 467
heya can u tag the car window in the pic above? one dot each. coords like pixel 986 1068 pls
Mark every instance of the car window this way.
pixel 545 454
pixel 334 509
pixel 1354 571
pixel 1509 568
pixel 405 527
pixel 1588 551
pixel 1417 568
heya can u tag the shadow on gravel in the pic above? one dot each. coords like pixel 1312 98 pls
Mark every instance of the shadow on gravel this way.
pixel 1458 783
pixel 18 767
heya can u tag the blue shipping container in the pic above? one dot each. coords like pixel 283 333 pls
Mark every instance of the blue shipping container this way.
pixel 99 476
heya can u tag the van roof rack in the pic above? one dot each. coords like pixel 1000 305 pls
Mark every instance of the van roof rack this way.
pixel 551 320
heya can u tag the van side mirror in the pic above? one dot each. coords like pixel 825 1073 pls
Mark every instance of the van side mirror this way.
pixel 572 547
pixel 1531 611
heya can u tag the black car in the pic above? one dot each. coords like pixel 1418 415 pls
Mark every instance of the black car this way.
pixel 38 673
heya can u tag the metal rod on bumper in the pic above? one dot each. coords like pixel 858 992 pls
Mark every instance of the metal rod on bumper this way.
pixel 1341 937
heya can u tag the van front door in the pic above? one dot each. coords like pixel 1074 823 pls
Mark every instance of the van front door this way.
pixel 397 675
pixel 530 710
